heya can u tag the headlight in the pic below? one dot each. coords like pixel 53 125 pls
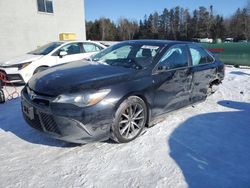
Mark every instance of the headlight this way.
pixel 23 65
pixel 19 66
pixel 83 100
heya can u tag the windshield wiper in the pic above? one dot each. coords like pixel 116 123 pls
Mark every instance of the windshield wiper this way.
pixel 100 62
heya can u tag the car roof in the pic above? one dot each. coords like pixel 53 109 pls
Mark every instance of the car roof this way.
pixel 63 42
pixel 157 42
pixel 73 41
pixel 142 41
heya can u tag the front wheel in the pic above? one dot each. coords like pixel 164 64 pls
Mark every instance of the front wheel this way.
pixel 130 120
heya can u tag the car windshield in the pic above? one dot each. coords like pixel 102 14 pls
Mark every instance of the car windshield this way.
pixel 46 49
pixel 129 55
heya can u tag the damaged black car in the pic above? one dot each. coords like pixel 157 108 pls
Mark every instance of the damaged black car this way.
pixel 120 91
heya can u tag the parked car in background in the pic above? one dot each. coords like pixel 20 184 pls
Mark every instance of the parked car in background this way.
pixel 123 89
pixel 108 43
pixel 22 68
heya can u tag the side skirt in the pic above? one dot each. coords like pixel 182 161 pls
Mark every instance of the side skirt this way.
pixel 162 117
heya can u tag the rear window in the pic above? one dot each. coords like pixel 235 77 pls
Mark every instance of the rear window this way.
pixel 151 50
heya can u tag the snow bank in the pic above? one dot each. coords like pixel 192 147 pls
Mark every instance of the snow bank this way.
pixel 207 145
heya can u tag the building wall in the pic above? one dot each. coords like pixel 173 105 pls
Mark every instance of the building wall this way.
pixel 23 28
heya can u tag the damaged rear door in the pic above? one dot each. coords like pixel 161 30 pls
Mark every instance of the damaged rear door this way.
pixel 203 70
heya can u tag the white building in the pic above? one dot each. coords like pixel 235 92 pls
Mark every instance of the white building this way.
pixel 27 24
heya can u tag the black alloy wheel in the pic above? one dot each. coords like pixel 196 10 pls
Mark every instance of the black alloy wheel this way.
pixel 130 120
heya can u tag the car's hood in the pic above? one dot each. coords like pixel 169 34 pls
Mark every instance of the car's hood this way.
pixel 78 76
pixel 20 59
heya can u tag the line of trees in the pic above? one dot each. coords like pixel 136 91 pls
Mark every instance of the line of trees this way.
pixel 174 24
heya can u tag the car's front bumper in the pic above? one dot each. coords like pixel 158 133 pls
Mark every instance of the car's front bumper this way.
pixel 68 123
pixel 13 75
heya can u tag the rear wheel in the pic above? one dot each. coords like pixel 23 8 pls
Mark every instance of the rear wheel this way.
pixel 130 120
pixel 213 87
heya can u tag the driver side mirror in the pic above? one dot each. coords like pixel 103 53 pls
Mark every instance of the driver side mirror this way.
pixel 167 65
pixel 163 68
pixel 62 54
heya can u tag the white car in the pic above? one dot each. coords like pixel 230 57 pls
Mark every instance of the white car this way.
pixel 22 68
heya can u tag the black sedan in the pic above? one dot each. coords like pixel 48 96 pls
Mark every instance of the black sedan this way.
pixel 120 91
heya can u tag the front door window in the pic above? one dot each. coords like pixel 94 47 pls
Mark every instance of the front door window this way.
pixel 72 49
pixel 175 57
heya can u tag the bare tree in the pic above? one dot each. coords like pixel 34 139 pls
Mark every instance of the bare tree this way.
pixel 127 29
pixel 248 7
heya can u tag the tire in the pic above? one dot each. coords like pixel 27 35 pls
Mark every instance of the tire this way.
pixel 130 119
pixel 40 69
pixel 213 88
pixel 2 97
pixel 236 66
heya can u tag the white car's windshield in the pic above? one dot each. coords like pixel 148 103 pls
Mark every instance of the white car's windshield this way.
pixel 131 55
pixel 46 49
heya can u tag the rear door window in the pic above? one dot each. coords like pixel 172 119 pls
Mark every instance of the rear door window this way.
pixel 88 48
pixel 200 56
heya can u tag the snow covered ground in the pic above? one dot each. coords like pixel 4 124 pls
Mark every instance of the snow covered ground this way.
pixel 207 145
